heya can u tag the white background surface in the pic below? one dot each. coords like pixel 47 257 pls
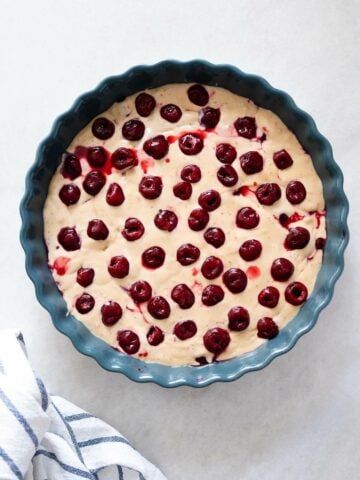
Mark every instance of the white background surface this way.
pixel 300 417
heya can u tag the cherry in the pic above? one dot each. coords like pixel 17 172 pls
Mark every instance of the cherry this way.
pixel 111 312
pixel 96 156
pixel 185 329
pixel 209 200
pixel 297 238
pixel 166 220
pixel 235 280
pixel 247 218
pixel 239 319
pixel 133 130
pixel 157 147
pixel 71 167
pixel 215 237
pixel 69 239
pixel 150 187
pixel 320 243
pixel 128 341
pixel 191 143
pixel 267 328
pixel 198 219
pixel 268 193
pixel 295 192
pixel 282 159
pixel 212 267
pixel 159 308
pixel 246 127
pixel 85 276
pixel 115 195
pixel 94 182
pixel 183 296
pixel 85 303
pixel 187 254
pixel 118 266
pixel 201 360
pixel 198 94
pixel 124 158
pixel 97 230
pixel 155 336
pixel 153 257
pixel 191 173
pixel 103 128
pixel 133 229
pixel 225 153
pixel 282 269
pixel 144 104
pixel 211 295
pixel 170 112
pixel 216 340
pixel 251 162
pixel 183 190
pixel 69 194
pixel 250 250
pixel 227 175
pixel 269 297
pixel 140 291
pixel 209 117
pixel 296 293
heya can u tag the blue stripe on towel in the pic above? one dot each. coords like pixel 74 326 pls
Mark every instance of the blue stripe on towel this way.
pixel 120 472
pixel 11 464
pixel 19 417
pixel 43 393
pixel 67 468
pixel 70 432
pixel 96 441
pixel 78 416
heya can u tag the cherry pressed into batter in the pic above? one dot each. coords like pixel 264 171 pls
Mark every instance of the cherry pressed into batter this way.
pixel 153 257
pixel 191 173
pixel 282 159
pixel 156 147
pixel 267 328
pixel 191 143
pixel 227 175
pixel 187 254
pixel 225 153
pixel 238 318
pixel 97 230
pixel 216 340
pixel 251 162
pixel 128 341
pixel 71 167
pixel 235 280
pixel 268 193
pixel 166 220
pixel 159 307
pixel 170 112
pixel 85 303
pixel 133 229
pixel 282 269
pixel 182 190
pixel 250 250
pixel 144 104
pixel 212 267
pixel 111 312
pixel 155 336
pixel 140 291
pixel 198 219
pixel 215 237
pixel 119 266
pixel 115 195
pixel 209 117
pixel 212 294
pixel 183 296
pixel 94 182
pixel 297 238
pixel 209 200
pixel 96 156
pixel 198 95
pixel 133 130
pixel 269 297
pixel 247 218
pixel 69 239
pixel 150 187
pixel 103 128
pixel 296 293
pixel 185 329
pixel 85 276
pixel 246 127
pixel 69 194
pixel 124 158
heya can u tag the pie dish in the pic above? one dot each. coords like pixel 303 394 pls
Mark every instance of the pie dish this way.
pixel 224 85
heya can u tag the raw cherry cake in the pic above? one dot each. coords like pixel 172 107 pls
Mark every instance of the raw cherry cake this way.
pixel 185 225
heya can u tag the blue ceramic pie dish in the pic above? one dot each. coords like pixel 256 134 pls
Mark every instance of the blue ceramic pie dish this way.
pixel 117 88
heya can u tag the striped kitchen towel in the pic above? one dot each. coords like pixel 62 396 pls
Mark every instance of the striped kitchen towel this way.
pixel 45 437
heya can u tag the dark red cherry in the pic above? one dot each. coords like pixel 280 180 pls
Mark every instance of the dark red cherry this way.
pixel 96 156
pixel 251 162
pixel 191 143
pixel 128 341
pixel 239 319
pixel 155 336
pixel 153 257
pixel 133 229
pixel 295 192
pixel 150 187
pixel 85 303
pixel 211 295
pixel 111 312
pixel 225 153
pixel 250 250
pixel 170 112
pixel 115 195
pixel 119 266
pixel 198 94
pixel 209 117
pixel 212 267
pixel 267 328
pixel 103 128
pixel 140 291
pixel 191 173
pixel 94 182
pixel 296 293
pixel 183 190
pixel 209 200
pixel 69 239
pixel 159 308
pixel 144 104
pixel 71 167
pixel 157 147
pixel 187 254
pixel 124 158
pixel 133 130
pixel 183 296
pixel 320 243
pixel 268 193
pixel 214 236
pixel 235 280
pixel 198 219
pixel 216 340
pixel 166 220
pixel 247 218
pixel 185 329
pixel 269 297
pixel 227 175
pixel 97 229
pixel 282 159
pixel 282 269
pixel 297 238
pixel 85 276
pixel 69 194
pixel 246 127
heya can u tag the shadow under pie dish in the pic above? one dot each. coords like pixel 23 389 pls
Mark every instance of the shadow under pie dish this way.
pixel 183 207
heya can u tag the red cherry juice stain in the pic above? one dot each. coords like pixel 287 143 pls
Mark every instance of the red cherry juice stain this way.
pixel 195 271
pixel 197 286
pixel 310 257
pixel 60 265
pixel 171 138
pixel 138 306
pixel 253 272
pixel 143 354
pixel 285 221
pixel 167 160
pixel 246 191
pixel 81 152
pixel 146 164
pixel 318 216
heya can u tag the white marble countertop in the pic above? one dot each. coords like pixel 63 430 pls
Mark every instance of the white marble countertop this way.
pixel 298 418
